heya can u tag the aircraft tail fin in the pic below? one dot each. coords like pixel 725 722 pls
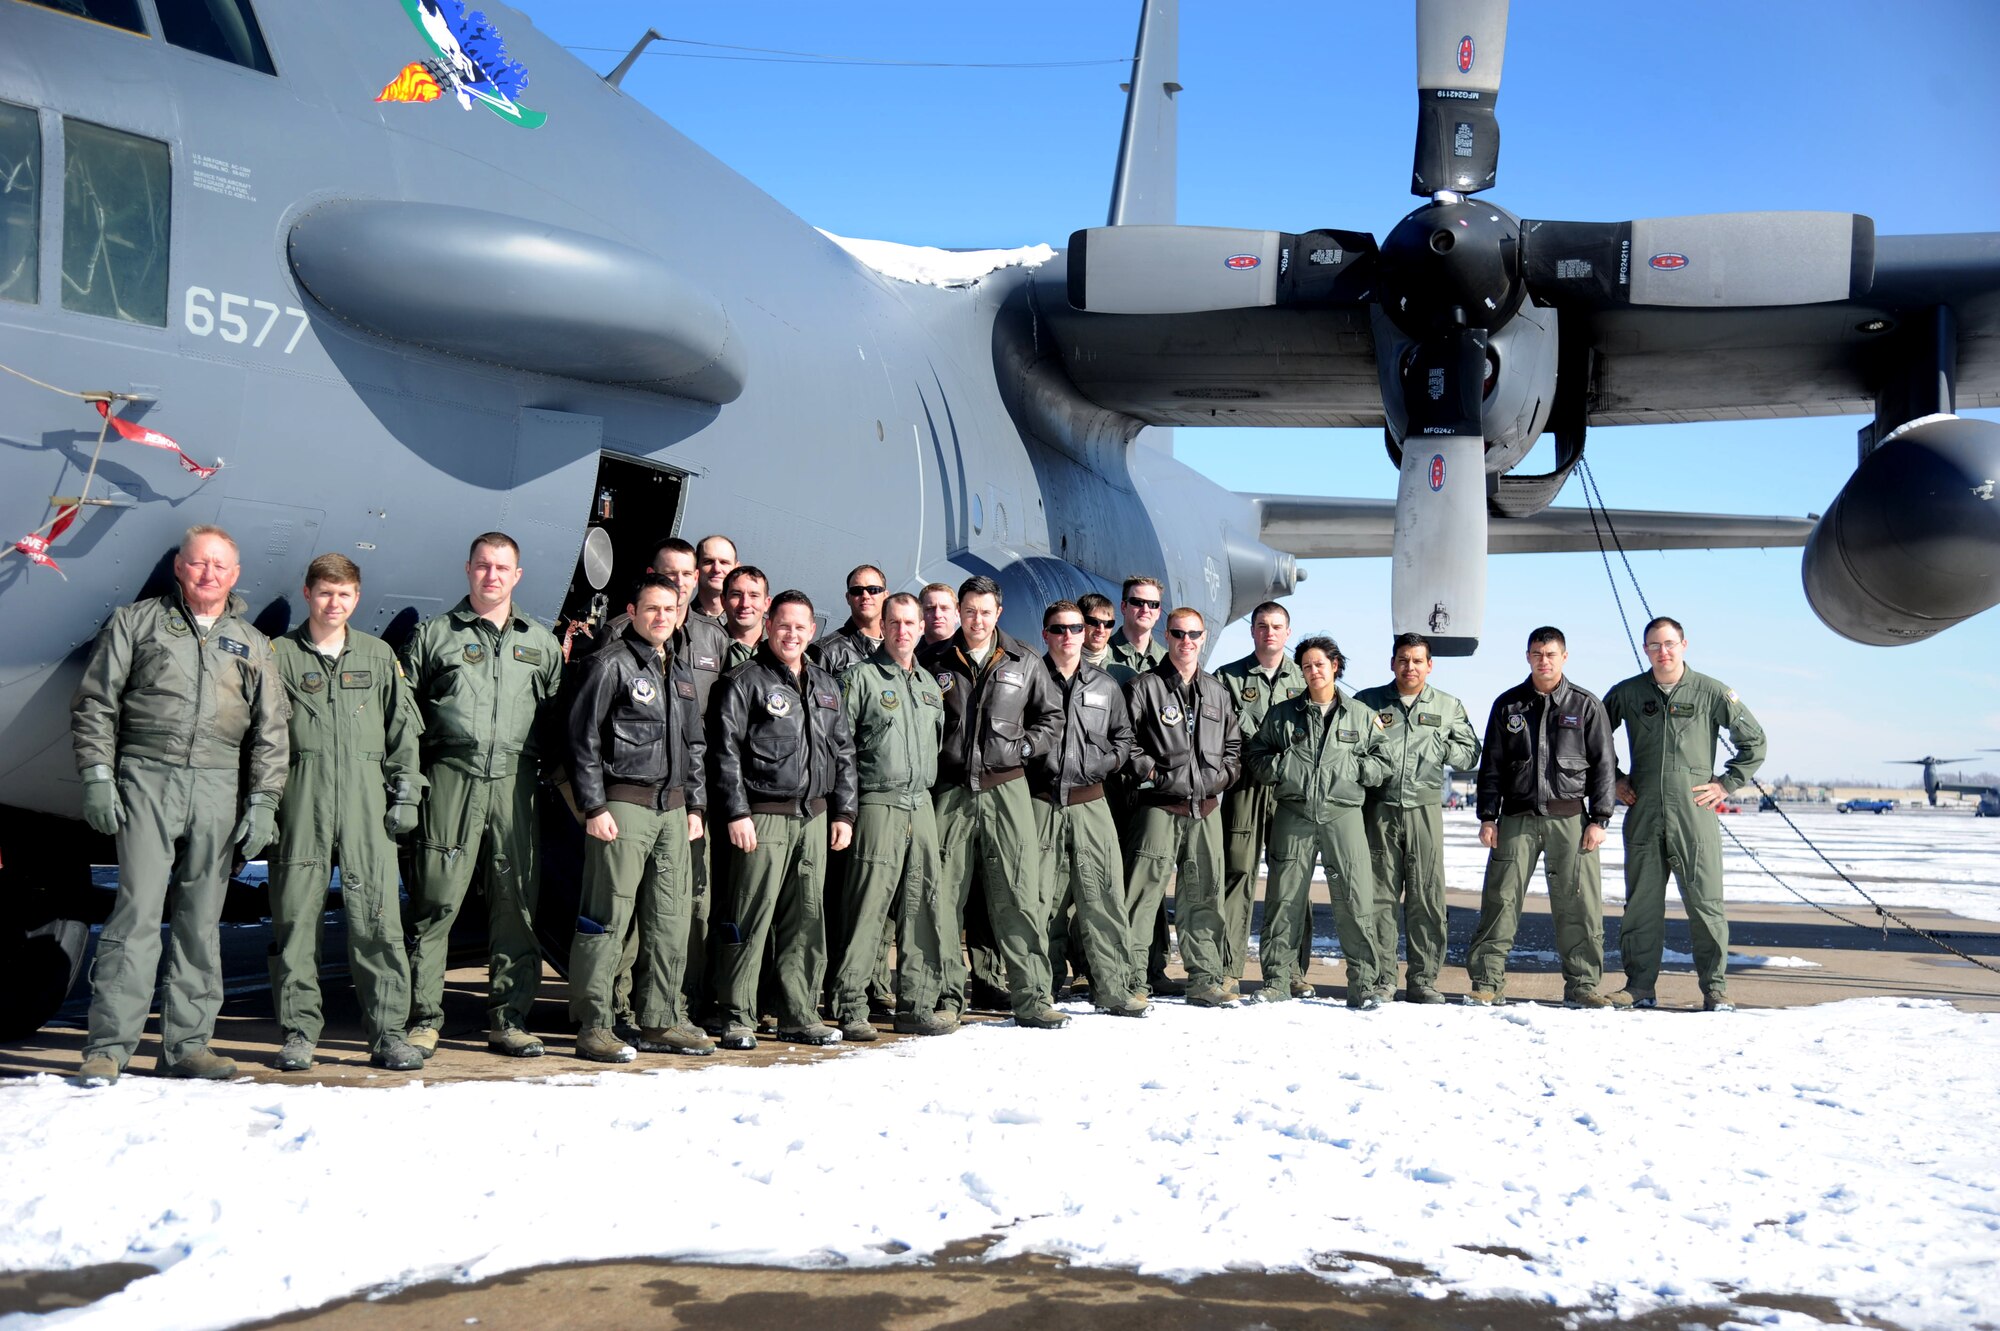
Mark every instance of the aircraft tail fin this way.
pixel 1142 189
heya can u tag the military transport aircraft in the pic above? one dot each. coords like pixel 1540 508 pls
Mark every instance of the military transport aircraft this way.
pixel 1986 803
pixel 372 276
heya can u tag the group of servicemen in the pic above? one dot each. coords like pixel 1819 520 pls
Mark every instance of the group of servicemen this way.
pixel 768 818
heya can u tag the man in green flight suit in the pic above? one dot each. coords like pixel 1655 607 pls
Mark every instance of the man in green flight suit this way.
pixel 1132 652
pixel 1671 717
pixel 1257 683
pixel 179 724
pixel 486 678
pixel 1424 730
pixel 354 788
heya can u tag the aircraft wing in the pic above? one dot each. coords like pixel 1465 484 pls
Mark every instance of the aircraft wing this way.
pixel 1657 365
pixel 1315 528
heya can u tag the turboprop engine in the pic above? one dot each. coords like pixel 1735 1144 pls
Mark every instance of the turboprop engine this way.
pixel 1912 544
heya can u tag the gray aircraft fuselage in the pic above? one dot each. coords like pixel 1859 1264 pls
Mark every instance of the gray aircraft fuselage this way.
pixel 877 420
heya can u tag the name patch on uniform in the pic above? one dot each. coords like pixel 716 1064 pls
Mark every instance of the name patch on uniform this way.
pixel 1346 736
pixel 357 679
pixel 1171 714
pixel 235 648
pixel 1210 712
pixel 474 654
pixel 890 700
pixel 1009 676
pixel 828 699
pixel 643 691
pixel 931 699
pixel 1516 723
pixel 684 688
pixel 777 704
pixel 1429 719
pixel 1090 699
pixel 707 663
pixel 312 681
pixel 1570 722
pixel 1249 693
pixel 1680 709
pixel 531 655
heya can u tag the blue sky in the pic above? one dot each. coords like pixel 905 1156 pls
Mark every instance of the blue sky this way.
pixel 1298 117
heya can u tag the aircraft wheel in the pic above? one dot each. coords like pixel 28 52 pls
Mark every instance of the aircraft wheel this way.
pixel 38 969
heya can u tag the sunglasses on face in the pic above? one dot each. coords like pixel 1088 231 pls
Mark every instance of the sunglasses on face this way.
pixel 866 591
pixel 1064 629
pixel 1186 635
pixel 1101 623
pixel 1138 604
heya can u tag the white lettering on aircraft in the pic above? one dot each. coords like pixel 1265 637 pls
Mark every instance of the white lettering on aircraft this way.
pixel 207 314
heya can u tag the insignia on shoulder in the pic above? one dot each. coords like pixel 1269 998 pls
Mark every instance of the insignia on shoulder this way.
pixel 643 691
pixel 312 681
pixel 1732 696
pixel 777 704
pixel 890 700
pixel 1516 723
pixel 1171 714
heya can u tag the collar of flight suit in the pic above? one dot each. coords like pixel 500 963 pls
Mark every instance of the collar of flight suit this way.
pixel 465 615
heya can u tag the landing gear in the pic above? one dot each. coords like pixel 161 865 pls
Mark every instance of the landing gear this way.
pixel 47 906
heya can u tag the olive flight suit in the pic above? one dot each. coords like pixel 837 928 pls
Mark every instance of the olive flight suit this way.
pixel 1082 859
pixel 1125 663
pixel 1671 733
pixel 190 723
pixel 893 870
pixel 354 736
pixel 1405 821
pixel 488 699
pixel 1319 765
pixel 1247 808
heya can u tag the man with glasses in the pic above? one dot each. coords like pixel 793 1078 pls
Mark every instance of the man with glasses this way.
pixel 1100 620
pixel 714 557
pixel 181 741
pixel 858 638
pixel 1256 684
pixel 1079 836
pixel 1134 651
pixel 939 603
pixel 1672 716
pixel 1187 751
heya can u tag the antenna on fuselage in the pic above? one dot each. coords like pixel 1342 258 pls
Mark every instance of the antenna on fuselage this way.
pixel 617 76
pixel 1143 186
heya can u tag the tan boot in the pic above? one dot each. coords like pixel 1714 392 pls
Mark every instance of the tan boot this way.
pixel 100 1068
pixel 203 1064
pixel 425 1040
pixel 600 1045
pixel 682 1039
pixel 513 1042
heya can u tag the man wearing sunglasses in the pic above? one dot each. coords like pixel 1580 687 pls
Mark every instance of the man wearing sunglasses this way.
pixel 1134 650
pixel 856 640
pixel 1187 751
pixel 1100 621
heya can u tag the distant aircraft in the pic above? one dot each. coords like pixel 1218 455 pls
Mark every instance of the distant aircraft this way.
pixel 371 277
pixel 1988 802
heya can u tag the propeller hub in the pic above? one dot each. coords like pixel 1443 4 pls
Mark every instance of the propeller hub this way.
pixel 1453 263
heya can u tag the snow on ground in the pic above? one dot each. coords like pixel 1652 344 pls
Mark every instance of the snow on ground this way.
pixel 935 267
pixel 1945 859
pixel 1616 1161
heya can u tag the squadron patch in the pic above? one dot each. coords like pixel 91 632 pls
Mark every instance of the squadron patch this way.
pixel 890 700
pixel 931 699
pixel 1171 714
pixel 1383 720
pixel 312 681
pixel 1651 708
pixel 643 691
pixel 474 654
pixel 944 682
pixel 1249 693
pixel 777 704
pixel 177 626
pixel 1516 723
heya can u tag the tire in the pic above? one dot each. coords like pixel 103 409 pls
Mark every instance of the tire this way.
pixel 38 970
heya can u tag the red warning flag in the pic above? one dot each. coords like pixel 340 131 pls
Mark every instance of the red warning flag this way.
pixel 139 434
pixel 36 548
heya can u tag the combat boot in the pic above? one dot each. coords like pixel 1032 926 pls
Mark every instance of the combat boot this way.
pixel 296 1056
pixel 203 1064
pixel 738 1037
pixel 424 1039
pixel 1044 1018
pixel 100 1068
pixel 1274 993
pixel 513 1042
pixel 1303 988
pixel 1625 998
pixel 398 1056
pixel 600 1045
pixel 1717 1002
pixel 682 1039
pixel 858 1032
pixel 1424 993
pixel 1209 995
pixel 1586 998
pixel 1369 1001
pixel 1484 998
pixel 819 1033
pixel 1134 1005
pixel 924 1023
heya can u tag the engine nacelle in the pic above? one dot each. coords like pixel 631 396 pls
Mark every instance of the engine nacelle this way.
pixel 1912 544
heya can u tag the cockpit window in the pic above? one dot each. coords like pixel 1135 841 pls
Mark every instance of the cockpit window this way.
pixel 118 13
pixel 115 204
pixel 20 203
pixel 225 29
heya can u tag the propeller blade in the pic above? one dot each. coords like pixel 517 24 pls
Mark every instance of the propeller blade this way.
pixel 1188 269
pixel 1437 579
pixel 1712 261
pixel 1461 46
pixel 1934 762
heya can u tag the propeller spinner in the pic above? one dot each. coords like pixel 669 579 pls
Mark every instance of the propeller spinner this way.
pixel 1450 281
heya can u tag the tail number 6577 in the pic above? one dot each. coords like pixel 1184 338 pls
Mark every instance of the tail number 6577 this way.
pixel 236 318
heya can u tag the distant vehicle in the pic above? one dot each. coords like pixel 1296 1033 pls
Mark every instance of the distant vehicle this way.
pixel 1865 806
